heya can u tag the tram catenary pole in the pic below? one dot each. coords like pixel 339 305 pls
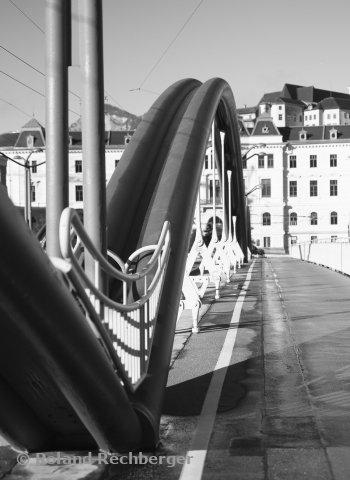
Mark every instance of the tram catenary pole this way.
pixel 58 44
pixel 94 170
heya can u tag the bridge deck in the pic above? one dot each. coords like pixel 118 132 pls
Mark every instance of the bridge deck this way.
pixel 277 404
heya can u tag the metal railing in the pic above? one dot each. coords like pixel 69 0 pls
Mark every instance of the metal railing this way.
pixel 332 253
pixel 130 322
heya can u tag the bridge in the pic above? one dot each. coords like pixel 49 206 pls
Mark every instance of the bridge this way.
pixel 128 330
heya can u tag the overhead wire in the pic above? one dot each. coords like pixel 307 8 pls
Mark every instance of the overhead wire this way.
pixel 36 69
pixel 27 16
pixel 31 66
pixel 15 106
pixel 169 46
pixel 31 88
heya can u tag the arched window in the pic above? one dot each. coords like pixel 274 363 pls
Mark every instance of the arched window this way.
pixel 293 219
pixel 334 218
pixel 266 218
pixel 313 218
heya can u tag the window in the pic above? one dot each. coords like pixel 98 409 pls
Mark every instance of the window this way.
pixel 293 219
pixel 261 161
pixel 78 193
pixel 313 161
pixel 313 238
pixel 34 166
pixel 78 166
pixel 30 141
pixel 267 242
pixel 313 188
pixel 266 219
pixel 279 107
pixel 244 162
pixel 292 161
pixel 313 218
pixel 32 193
pixel 258 243
pixel 333 134
pixel 334 218
pixel 293 188
pixel 302 135
pixel 116 163
pixel 266 187
pixel 270 160
pixel 334 238
pixel 206 162
pixel 333 159
pixel 280 117
pixel 293 239
pixel 333 184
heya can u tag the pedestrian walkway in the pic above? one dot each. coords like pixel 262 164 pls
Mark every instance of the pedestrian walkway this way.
pixel 262 392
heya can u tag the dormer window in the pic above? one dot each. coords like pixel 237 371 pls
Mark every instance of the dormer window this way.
pixel 30 141
pixel 302 135
pixel 265 129
pixel 333 134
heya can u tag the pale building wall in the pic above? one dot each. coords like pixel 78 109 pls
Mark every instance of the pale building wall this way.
pixel 313 118
pixel 322 204
pixel 257 203
pixel 331 116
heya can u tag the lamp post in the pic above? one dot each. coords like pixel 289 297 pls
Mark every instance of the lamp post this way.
pixel 27 182
pixel 258 145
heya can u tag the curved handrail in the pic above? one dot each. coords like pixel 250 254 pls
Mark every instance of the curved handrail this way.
pixel 70 218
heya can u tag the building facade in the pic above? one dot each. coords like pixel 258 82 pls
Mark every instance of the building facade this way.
pixel 28 145
pixel 296 176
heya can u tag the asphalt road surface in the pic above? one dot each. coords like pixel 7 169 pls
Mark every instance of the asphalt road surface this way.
pixel 262 392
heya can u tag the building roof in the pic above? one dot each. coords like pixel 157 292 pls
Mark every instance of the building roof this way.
pixel 31 129
pixel 315 133
pixel 303 94
pixel 265 126
pixel 246 110
pixel 36 130
pixel 242 128
pixel 331 102
pixel 8 139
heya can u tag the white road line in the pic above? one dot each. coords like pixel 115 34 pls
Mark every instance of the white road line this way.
pixel 199 447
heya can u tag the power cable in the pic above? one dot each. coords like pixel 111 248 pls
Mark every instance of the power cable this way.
pixel 32 67
pixel 15 106
pixel 31 88
pixel 170 44
pixel 23 13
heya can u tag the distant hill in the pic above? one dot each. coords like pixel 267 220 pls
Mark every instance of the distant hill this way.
pixel 116 119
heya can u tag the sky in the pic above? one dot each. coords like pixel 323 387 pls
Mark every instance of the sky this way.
pixel 255 45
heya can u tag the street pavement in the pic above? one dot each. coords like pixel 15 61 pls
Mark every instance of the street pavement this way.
pixel 262 392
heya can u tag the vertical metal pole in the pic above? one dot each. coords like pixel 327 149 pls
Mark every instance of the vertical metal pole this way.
pixel 214 237
pixel 26 191
pixel 28 194
pixel 223 193
pixel 229 178
pixel 94 170
pixel 57 38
